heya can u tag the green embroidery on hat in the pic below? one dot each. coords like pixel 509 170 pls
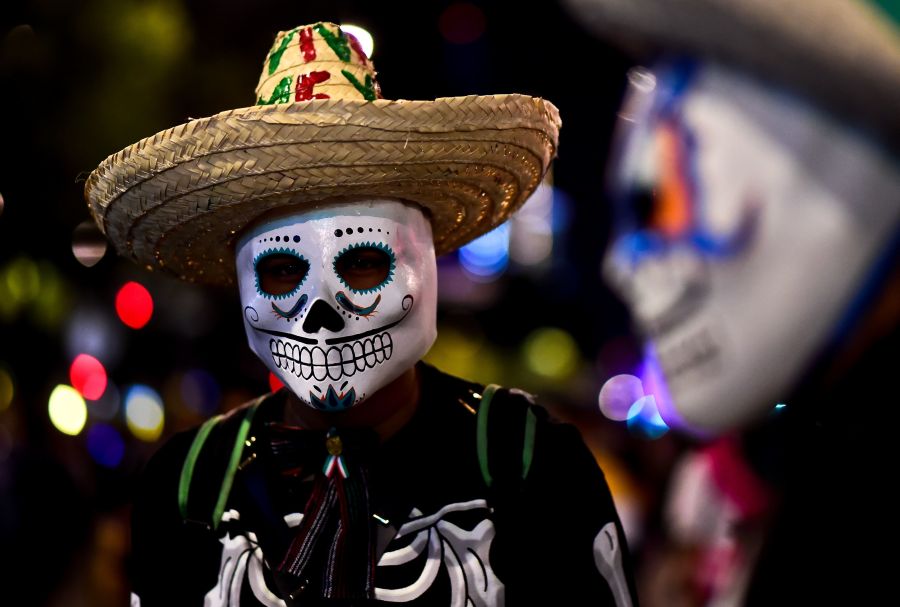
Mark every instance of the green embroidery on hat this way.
pixel 338 43
pixel 281 94
pixel 367 90
pixel 274 57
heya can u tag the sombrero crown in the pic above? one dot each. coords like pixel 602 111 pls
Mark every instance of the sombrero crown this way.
pixel 320 132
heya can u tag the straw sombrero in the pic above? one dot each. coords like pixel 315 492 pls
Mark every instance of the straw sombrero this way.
pixel 843 53
pixel 319 132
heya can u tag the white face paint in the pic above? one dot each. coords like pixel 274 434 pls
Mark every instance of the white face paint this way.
pixel 339 302
pixel 748 224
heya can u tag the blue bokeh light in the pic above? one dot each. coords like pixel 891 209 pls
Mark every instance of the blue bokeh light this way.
pixel 105 445
pixel 644 418
pixel 486 258
pixel 200 392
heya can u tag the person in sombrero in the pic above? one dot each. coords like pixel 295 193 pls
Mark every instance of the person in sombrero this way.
pixel 756 184
pixel 371 477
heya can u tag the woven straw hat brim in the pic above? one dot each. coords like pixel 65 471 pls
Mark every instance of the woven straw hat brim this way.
pixel 841 53
pixel 177 200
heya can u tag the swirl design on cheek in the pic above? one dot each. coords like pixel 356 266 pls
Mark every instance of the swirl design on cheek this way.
pixel 351 307
pixel 293 311
pixel 251 314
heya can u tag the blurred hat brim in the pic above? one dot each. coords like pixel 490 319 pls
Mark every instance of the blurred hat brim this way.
pixel 842 54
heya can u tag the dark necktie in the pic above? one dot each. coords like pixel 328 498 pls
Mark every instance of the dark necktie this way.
pixel 332 555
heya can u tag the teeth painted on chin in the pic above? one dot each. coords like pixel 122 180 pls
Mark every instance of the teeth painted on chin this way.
pixel 348 366
pixel 295 356
pixel 370 353
pixel 336 362
pixel 318 357
pixel 358 356
pixel 388 345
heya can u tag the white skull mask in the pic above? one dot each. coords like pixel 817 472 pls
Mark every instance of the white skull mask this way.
pixel 340 301
pixel 748 224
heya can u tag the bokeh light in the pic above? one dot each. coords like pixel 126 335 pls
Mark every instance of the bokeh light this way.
pixel 88 243
pixel 200 392
pixel 275 384
pixel 23 280
pixel 134 305
pixel 618 394
pixel 2 203
pixel 644 418
pixel 91 331
pixel 551 353
pixel 366 42
pixel 531 234
pixel 88 376
pixel 144 412
pixel 486 257
pixel 53 302
pixel 462 23
pixel 654 381
pixel 464 352
pixel 105 445
pixel 7 388
pixel 107 406
pixel 68 413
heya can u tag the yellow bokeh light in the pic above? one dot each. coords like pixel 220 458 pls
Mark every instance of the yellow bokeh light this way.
pixel 68 413
pixel 551 353
pixel 144 413
pixel 54 303
pixel 23 279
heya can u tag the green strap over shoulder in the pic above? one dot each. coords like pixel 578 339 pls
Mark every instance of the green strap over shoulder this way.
pixel 482 428
pixel 482 436
pixel 190 462
pixel 187 469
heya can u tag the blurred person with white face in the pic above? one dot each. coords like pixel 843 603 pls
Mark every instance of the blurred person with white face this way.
pixel 371 477
pixel 756 186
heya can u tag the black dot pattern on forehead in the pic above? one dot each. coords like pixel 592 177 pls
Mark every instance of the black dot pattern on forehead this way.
pixel 350 231
pixel 279 238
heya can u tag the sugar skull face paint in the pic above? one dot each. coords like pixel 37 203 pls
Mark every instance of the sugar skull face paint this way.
pixel 747 222
pixel 339 302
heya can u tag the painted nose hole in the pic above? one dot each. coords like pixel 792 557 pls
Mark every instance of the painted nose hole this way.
pixel 321 315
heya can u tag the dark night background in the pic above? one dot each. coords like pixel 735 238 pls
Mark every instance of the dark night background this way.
pixel 83 79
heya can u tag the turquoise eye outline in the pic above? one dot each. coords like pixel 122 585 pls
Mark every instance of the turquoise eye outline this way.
pixel 367 245
pixel 279 251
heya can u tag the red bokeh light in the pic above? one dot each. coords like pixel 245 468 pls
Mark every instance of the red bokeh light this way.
pixel 134 305
pixel 274 383
pixel 88 376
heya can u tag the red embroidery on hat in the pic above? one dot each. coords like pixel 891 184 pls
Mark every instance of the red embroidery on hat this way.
pixel 306 44
pixel 306 83
pixel 354 44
